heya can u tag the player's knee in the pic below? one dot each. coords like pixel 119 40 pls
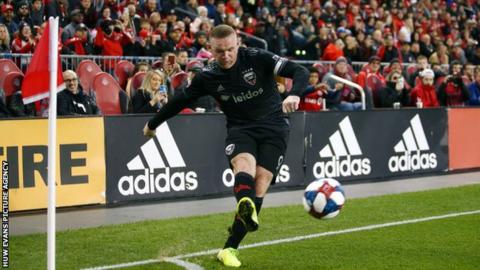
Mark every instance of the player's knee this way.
pixel 244 163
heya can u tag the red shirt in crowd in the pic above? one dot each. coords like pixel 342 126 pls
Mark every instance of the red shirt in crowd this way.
pixel 426 94
pixel 332 52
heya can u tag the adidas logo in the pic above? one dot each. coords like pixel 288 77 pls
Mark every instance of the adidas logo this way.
pixel 220 88
pixel 159 167
pixel 342 147
pixel 411 145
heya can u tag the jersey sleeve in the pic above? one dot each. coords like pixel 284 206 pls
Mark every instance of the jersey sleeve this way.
pixel 272 62
pixel 284 68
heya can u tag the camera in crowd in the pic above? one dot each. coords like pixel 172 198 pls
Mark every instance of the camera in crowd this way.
pixel 109 26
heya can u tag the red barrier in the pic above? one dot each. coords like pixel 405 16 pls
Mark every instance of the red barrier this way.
pixel 464 138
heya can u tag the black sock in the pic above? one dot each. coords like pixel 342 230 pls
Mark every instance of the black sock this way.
pixel 244 186
pixel 238 231
pixel 258 204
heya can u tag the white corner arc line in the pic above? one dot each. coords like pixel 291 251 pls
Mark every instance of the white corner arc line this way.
pixel 288 240
pixel 184 264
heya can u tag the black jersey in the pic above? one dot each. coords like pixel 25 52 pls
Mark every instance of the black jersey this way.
pixel 247 92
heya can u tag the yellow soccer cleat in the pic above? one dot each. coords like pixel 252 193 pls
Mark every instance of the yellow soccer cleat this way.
pixel 247 212
pixel 229 257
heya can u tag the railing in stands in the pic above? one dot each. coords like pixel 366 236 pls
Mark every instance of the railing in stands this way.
pixel 107 63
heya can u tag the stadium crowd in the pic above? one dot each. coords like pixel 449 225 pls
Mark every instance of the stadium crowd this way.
pixel 429 49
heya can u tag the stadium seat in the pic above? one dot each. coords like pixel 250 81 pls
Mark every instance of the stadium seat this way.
pixel 137 80
pixel 111 99
pixel 157 64
pixel 7 66
pixel 179 79
pixel 194 64
pixel 86 71
pixel 12 83
pixel 122 71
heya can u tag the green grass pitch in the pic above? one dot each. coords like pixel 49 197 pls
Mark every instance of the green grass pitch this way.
pixel 450 243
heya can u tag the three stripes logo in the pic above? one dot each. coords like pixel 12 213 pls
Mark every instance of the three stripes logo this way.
pixel 159 167
pixel 410 148
pixel 343 154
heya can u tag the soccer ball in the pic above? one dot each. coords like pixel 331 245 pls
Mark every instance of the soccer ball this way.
pixel 323 198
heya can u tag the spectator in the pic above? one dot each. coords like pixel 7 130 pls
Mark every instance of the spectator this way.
pixel 174 41
pixel 79 43
pixel 4 39
pixel 352 51
pixel 407 55
pixel 23 14
pixel 422 64
pixel 388 51
pixel 110 40
pixel 474 89
pixel 24 42
pixel 152 94
pixel 440 56
pixel 58 8
pixel 453 92
pixel 182 59
pixel 7 18
pixel 202 16
pixel 469 73
pixel 105 16
pixel 373 67
pixel 333 50
pixel 424 94
pixel 199 43
pixel 344 98
pixel 149 7
pixel 220 16
pixel 139 67
pixel 89 13
pixel 37 13
pixel 76 18
pixel 394 93
pixel 426 46
pixel 314 97
pixel 72 100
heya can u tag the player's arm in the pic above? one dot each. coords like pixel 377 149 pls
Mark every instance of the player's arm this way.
pixel 285 68
pixel 174 106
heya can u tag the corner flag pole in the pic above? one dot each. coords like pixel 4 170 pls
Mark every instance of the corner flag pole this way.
pixel 52 141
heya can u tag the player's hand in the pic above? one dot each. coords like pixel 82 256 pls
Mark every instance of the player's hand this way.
pixel 290 104
pixel 148 132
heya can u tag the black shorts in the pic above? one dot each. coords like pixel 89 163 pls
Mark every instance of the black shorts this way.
pixel 266 144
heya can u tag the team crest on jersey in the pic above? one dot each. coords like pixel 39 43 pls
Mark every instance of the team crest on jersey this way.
pixel 249 76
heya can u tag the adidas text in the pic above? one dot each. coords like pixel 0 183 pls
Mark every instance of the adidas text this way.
pixel 412 161
pixel 149 182
pixel 342 167
pixel 244 96
pixel 283 176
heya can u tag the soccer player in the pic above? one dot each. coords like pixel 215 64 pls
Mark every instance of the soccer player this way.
pixel 242 81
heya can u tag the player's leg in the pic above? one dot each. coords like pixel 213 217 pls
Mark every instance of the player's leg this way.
pixel 263 179
pixel 270 159
pixel 240 152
